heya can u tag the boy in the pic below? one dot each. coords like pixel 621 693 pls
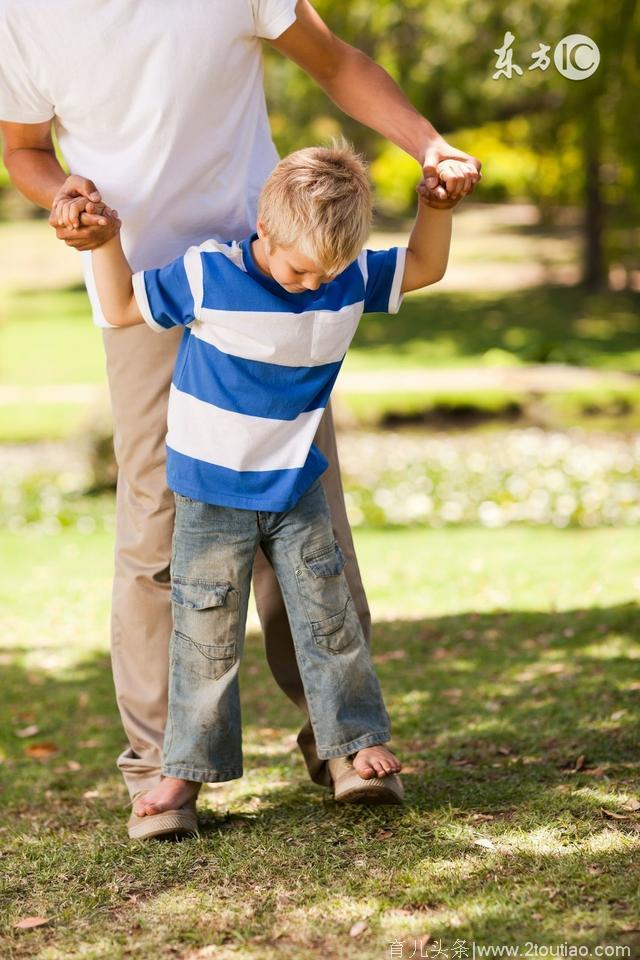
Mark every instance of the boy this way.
pixel 267 324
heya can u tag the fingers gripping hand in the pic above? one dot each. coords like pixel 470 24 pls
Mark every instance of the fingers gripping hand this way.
pixel 93 230
pixel 455 181
pixel 71 200
pixel 449 172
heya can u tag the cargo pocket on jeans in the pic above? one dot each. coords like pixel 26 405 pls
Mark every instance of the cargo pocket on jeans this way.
pixel 327 599
pixel 205 621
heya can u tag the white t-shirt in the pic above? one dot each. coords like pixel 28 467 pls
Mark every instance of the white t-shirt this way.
pixel 159 102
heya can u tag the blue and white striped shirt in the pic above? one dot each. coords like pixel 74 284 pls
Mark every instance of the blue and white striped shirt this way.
pixel 255 368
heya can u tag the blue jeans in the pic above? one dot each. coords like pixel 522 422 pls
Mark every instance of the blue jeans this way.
pixel 213 552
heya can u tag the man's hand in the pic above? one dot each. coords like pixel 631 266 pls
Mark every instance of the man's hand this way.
pixel 455 180
pixel 79 216
pixel 442 198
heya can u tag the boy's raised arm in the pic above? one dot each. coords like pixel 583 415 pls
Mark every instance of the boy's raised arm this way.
pixel 428 248
pixel 113 279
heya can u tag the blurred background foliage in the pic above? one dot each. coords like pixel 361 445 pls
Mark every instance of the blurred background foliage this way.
pixel 545 265
pixel 541 137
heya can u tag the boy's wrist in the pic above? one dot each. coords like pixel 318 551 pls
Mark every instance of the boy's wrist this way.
pixel 441 205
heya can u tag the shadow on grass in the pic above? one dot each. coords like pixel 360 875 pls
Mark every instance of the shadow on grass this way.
pixel 519 729
pixel 549 323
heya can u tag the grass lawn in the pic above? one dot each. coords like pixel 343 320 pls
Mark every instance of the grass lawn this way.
pixel 509 660
pixel 46 335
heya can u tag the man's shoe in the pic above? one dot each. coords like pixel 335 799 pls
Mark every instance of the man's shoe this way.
pixel 179 823
pixel 350 787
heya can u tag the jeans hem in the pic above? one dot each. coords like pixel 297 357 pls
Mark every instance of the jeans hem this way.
pixel 343 749
pixel 202 776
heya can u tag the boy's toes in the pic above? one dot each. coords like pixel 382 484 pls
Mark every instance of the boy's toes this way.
pixel 148 808
pixel 364 769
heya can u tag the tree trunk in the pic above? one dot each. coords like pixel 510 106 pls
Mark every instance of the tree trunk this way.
pixel 594 274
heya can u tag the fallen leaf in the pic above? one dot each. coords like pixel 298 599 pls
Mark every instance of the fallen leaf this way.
pixel 89 743
pixel 358 928
pixel 482 816
pixel 74 765
pixel 483 842
pixel 90 794
pixel 505 751
pixel 595 772
pixel 384 834
pixel 618 714
pixel 614 815
pixel 537 916
pixel 41 749
pixel 439 653
pixel 28 923
pixel 29 731
pixel 390 655
pixel 632 804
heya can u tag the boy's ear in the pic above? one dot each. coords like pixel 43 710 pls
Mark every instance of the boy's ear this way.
pixel 260 229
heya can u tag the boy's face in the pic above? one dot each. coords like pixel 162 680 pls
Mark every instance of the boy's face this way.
pixel 291 269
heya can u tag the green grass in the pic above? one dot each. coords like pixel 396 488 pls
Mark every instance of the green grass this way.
pixel 47 338
pixel 560 324
pixel 505 657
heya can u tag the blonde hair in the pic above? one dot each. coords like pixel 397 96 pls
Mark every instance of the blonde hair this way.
pixel 319 200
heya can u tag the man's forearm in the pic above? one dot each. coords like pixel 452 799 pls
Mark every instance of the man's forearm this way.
pixel 36 173
pixel 359 83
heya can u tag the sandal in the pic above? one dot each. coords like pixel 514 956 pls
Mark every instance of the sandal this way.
pixel 181 823
pixel 350 787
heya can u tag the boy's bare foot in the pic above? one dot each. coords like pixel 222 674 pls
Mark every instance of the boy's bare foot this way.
pixel 375 762
pixel 170 794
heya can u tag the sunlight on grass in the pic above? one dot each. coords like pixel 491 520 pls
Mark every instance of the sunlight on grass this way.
pixel 281 871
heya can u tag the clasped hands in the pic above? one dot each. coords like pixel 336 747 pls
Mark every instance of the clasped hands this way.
pixel 81 218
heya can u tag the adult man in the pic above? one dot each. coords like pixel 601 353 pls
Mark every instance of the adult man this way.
pixel 176 137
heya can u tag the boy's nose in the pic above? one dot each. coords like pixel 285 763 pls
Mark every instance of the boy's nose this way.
pixel 312 284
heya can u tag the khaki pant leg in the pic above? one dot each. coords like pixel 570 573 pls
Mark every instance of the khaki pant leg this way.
pixel 139 368
pixel 271 609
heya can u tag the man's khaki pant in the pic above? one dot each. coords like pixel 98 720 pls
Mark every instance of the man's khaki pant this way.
pixel 139 367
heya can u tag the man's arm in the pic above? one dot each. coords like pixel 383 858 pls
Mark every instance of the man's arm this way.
pixel 366 92
pixel 30 158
